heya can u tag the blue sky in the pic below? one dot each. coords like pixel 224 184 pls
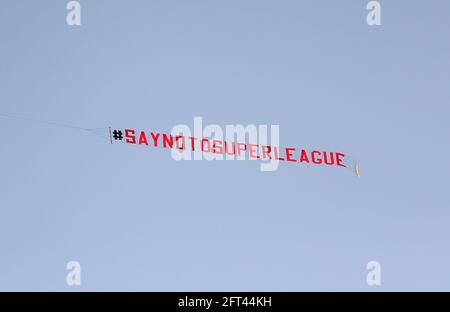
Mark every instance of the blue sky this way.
pixel 136 219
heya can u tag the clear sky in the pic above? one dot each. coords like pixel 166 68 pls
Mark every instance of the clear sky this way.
pixel 136 219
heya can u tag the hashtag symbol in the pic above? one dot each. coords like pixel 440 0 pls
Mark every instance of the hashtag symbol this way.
pixel 117 135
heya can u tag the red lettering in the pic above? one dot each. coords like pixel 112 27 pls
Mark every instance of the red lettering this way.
pixel 241 147
pixel 227 151
pixel 289 154
pixel 129 134
pixel 275 151
pixel 155 138
pixel 177 142
pixel 266 151
pixel 339 160
pixel 203 146
pixel 167 141
pixel 217 147
pixel 192 142
pixel 304 157
pixel 314 159
pixel 143 138
pixel 326 160
pixel 253 148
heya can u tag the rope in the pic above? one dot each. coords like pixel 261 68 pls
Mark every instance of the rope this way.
pixel 58 124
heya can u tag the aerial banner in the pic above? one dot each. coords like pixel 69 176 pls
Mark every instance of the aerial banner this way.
pixel 217 147
pixel 233 150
